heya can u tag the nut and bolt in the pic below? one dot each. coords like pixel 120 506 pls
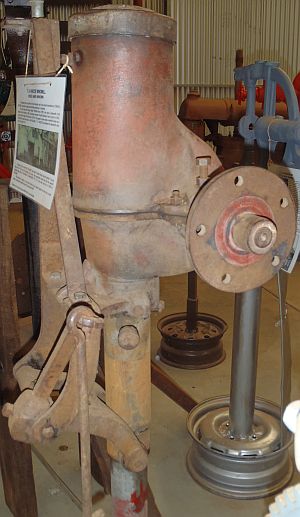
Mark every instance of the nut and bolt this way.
pixel 262 237
pixel 80 296
pixel 48 432
pixel 176 198
pixel 55 275
pixel 128 337
pixel 202 163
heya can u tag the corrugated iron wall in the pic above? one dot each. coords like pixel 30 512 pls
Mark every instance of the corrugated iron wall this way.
pixel 209 32
pixel 63 12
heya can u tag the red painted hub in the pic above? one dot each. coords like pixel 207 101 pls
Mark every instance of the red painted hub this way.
pixel 223 231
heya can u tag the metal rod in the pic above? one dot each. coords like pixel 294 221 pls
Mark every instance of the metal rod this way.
pixel 285 351
pixel 129 491
pixel 66 226
pixel 244 362
pixel 85 442
pixel 192 303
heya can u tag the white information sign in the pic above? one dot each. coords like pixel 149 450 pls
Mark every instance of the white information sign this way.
pixel 39 119
pixel 292 178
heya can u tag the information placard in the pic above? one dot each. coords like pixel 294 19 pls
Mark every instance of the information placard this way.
pixel 39 120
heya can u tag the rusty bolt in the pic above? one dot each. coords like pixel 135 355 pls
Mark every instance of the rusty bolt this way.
pixel 55 275
pixel 176 198
pixel 128 337
pixel 48 432
pixel 202 162
pixel 79 296
pixel 7 410
pixel 161 305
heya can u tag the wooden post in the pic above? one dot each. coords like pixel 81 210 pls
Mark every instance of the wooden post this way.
pixel 15 457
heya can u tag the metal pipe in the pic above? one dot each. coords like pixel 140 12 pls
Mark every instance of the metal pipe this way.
pixel 285 351
pixel 129 491
pixel 192 303
pixel 244 362
pixel 195 107
pixel 128 391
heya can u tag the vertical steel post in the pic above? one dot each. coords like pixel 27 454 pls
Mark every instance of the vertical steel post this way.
pixel 192 303
pixel 244 362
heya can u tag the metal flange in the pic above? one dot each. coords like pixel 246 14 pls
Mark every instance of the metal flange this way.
pixel 241 228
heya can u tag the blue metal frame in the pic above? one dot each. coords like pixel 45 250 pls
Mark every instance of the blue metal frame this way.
pixel 270 129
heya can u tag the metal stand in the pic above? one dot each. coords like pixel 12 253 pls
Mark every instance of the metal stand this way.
pixel 192 340
pixel 244 363
pixel 237 446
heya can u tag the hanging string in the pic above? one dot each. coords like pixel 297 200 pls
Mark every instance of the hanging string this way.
pixel 28 51
pixel 3 45
pixel 64 67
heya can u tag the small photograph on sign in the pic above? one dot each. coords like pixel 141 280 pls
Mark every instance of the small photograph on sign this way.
pixel 37 147
pixel 39 121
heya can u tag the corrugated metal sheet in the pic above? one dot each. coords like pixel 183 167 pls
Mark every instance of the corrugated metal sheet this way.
pixel 63 12
pixel 210 31
pixel 155 5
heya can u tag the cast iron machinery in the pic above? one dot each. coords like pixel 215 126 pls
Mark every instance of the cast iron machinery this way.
pixel 143 215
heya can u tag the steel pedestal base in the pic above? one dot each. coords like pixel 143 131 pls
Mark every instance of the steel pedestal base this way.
pixel 202 348
pixel 247 468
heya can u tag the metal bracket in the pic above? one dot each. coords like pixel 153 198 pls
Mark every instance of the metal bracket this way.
pixel 268 129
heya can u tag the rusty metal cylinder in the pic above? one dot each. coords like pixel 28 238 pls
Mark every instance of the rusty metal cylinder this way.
pixel 130 150
pixel 195 108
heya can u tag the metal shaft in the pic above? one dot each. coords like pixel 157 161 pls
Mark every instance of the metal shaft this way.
pixel 128 390
pixel 285 348
pixel 192 303
pixel 244 362
pixel 129 491
pixel 85 439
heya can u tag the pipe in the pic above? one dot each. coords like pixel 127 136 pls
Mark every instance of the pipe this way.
pixel 129 491
pixel 224 110
pixel 128 391
pixel 244 362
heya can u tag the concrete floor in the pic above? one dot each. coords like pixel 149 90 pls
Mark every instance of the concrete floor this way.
pixel 177 495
